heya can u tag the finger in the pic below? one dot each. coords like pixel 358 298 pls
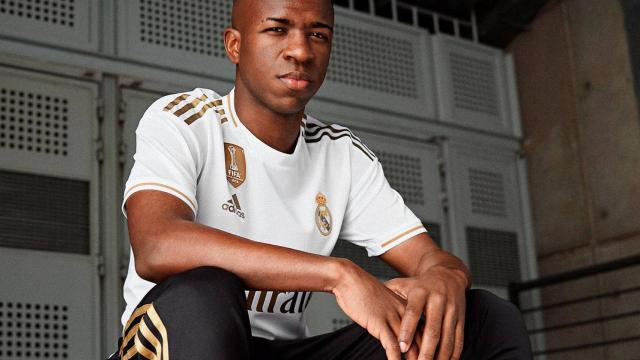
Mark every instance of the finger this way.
pixel 417 336
pixel 390 344
pixel 459 338
pixel 399 302
pixel 447 338
pixel 433 326
pixel 395 285
pixel 394 323
pixel 410 318
pixel 412 354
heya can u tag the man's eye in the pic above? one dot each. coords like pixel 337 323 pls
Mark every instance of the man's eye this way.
pixel 319 35
pixel 276 29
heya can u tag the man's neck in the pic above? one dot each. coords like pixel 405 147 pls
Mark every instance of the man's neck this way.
pixel 279 131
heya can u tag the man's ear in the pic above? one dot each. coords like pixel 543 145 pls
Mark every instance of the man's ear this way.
pixel 232 44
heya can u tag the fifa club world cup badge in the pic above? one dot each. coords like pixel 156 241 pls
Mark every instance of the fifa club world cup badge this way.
pixel 235 164
pixel 323 216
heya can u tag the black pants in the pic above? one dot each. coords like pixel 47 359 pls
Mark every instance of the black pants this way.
pixel 201 314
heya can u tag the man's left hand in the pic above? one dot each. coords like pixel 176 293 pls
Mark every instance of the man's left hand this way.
pixel 439 293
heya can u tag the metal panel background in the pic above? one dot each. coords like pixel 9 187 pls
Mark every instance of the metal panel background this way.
pixel 472 85
pixel 380 65
pixel 412 169
pixel 44 213
pixel 48 306
pixel 50 300
pixel 486 212
pixel 47 124
pixel 184 35
pixel 493 256
pixel 485 186
pixel 67 23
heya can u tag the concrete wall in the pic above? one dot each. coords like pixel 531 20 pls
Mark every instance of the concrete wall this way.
pixel 582 140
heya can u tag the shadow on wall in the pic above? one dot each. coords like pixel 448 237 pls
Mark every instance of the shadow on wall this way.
pixel 631 9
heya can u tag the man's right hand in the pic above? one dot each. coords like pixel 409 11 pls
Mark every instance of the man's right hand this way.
pixel 373 306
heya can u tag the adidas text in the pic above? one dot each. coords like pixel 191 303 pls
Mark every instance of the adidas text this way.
pixel 233 206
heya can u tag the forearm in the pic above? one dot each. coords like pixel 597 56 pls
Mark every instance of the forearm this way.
pixel 444 259
pixel 184 245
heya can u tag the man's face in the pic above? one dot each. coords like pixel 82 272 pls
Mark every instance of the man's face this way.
pixel 284 50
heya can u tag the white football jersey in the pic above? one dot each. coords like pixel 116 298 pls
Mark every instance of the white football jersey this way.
pixel 194 146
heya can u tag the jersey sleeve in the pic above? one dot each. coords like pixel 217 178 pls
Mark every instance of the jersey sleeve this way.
pixel 376 216
pixel 167 157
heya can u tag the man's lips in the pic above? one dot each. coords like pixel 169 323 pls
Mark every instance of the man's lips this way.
pixel 295 80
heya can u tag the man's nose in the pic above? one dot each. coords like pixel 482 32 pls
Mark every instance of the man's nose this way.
pixel 299 48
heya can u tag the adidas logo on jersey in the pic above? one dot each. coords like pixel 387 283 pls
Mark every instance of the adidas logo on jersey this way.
pixel 233 206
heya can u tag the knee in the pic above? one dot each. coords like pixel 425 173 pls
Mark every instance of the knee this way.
pixel 209 275
pixel 493 306
pixel 209 302
pixel 497 327
pixel 207 283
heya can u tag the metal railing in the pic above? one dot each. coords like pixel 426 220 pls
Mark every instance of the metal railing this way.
pixel 541 305
pixel 431 21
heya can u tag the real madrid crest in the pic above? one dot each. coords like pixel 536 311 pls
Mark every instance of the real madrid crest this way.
pixel 235 164
pixel 323 216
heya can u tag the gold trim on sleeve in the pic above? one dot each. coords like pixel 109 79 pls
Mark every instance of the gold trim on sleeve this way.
pixel 401 235
pixel 161 185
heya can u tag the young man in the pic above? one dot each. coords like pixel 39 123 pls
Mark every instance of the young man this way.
pixel 235 202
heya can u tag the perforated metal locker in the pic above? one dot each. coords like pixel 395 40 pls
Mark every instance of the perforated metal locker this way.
pixel 49 302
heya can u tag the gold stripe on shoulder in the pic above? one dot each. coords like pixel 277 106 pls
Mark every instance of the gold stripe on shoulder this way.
pixel 233 118
pixel 190 105
pixel 223 118
pixel 176 101
pixel 205 108
pixel 401 235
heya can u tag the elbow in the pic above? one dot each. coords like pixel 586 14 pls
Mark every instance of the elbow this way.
pixel 145 270
pixel 147 265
